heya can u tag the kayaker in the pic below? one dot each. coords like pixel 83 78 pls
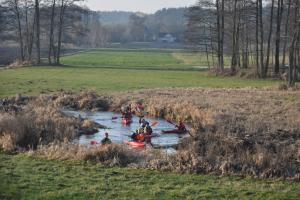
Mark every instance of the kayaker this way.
pixel 148 130
pixel 181 127
pixel 148 134
pixel 126 112
pixel 106 140
pixel 138 137
pixel 143 123
pixel 136 133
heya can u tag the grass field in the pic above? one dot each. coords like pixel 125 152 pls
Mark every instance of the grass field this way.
pixel 25 177
pixel 117 70
pixel 107 71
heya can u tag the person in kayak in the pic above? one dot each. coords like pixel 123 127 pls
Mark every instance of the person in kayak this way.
pixel 140 137
pixel 138 131
pixel 148 134
pixel 106 140
pixel 181 127
pixel 143 123
pixel 126 112
pixel 148 130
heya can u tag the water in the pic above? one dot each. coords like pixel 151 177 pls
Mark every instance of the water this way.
pixel 118 133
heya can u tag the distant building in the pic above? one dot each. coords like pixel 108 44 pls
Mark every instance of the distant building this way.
pixel 167 38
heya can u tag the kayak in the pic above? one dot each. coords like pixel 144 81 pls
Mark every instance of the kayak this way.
pixel 93 142
pixel 175 131
pixel 135 144
pixel 126 121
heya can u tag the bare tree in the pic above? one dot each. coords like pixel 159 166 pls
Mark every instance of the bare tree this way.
pixel 14 6
pixel 269 40
pixel 287 22
pixel 63 6
pixel 37 20
pixel 51 34
pixel 294 53
pixel 260 9
pixel 220 7
pixel 234 60
pixel 278 39
pixel 30 27
pixel 257 37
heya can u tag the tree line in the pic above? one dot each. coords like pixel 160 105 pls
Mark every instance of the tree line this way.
pixel 264 34
pixel 126 27
pixel 39 26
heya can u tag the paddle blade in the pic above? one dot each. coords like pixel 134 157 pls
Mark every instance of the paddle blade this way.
pixel 114 118
pixel 169 121
pixel 154 124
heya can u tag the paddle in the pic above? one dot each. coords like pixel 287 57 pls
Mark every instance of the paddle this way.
pixel 154 123
pixel 114 118
pixel 172 123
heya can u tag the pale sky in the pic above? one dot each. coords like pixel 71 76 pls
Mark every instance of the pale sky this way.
pixel 146 6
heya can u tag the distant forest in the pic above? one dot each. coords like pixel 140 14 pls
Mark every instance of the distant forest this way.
pixel 120 26
pixel 32 29
pixel 82 27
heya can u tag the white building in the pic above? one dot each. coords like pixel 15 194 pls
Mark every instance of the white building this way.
pixel 167 38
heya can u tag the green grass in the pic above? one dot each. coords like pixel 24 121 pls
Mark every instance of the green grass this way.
pixel 130 59
pixel 198 59
pixel 34 80
pixel 25 177
pixel 116 70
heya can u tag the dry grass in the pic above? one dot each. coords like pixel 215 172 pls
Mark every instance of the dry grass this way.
pixel 109 155
pixel 35 125
pixel 236 131
pixel 83 101
pixel 248 131
pixel 26 123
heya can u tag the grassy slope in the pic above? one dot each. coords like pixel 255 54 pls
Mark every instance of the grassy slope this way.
pixel 36 178
pixel 108 71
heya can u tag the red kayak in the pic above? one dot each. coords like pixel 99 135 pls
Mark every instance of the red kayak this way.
pixel 175 131
pixel 93 142
pixel 135 144
pixel 126 121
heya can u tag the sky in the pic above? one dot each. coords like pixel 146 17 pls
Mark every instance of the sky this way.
pixel 146 6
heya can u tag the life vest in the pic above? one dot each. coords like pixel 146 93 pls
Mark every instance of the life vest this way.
pixel 140 137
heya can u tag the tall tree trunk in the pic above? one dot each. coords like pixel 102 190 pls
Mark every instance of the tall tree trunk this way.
pixel 222 34
pixel 60 31
pixel 278 29
pixel 51 36
pixel 16 8
pixel 238 42
pixel 257 37
pixel 37 13
pixel 286 32
pixel 261 38
pixel 234 39
pixel 269 40
pixel 294 48
pixel 27 29
pixel 219 32
pixel 31 38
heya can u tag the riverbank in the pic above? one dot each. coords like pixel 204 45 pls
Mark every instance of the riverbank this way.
pixel 234 131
